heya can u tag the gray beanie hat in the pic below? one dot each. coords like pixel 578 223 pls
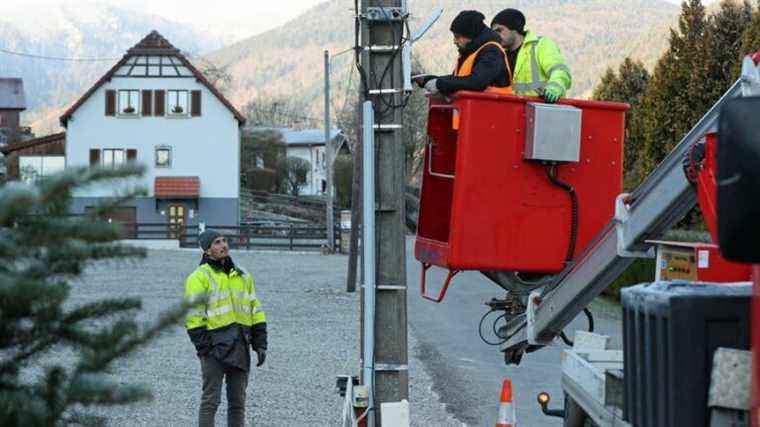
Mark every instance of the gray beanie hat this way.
pixel 207 238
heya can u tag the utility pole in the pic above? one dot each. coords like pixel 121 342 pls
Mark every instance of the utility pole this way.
pixel 356 205
pixel 329 159
pixel 384 329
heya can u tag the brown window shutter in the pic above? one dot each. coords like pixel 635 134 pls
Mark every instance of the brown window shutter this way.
pixel 94 157
pixel 131 155
pixel 110 103
pixel 195 106
pixel 146 103
pixel 159 102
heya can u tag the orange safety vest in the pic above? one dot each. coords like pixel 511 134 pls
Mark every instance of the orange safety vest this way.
pixel 465 70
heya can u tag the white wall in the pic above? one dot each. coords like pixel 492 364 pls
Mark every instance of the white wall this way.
pixel 207 146
pixel 313 184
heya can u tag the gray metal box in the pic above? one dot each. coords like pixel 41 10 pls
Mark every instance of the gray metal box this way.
pixel 553 132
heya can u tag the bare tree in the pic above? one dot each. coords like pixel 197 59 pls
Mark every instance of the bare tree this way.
pixel 294 171
pixel 219 77
pixel 279 112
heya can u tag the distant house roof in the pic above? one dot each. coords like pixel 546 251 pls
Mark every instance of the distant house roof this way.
pixel 47 139
pixel 153 44
pixel 307 136
pixel 12 94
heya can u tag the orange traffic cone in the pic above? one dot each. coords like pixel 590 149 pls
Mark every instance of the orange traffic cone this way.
pixel 506 409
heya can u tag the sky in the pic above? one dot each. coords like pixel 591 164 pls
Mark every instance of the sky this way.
pixel 232 20
pixel 236 19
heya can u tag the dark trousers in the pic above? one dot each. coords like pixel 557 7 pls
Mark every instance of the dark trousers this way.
pixel 237 381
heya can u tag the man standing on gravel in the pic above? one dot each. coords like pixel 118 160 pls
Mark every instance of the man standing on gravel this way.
pixel 228 318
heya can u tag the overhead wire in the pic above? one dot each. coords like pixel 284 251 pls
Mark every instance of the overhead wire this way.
pixel 55 58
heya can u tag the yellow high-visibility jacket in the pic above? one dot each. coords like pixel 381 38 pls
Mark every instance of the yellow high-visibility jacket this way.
pixel 540 64
pixel 229 299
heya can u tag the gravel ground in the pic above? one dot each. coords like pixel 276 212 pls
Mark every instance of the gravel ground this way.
pixel 313 333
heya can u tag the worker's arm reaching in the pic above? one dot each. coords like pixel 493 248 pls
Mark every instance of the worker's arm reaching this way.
pixel 552 64
pixel 488 66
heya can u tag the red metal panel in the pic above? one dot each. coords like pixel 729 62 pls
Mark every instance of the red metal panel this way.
pixel 714 268
pixel 707 188
pixel 503 213
pixel 756 347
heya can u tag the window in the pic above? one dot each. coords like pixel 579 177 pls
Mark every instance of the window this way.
pixel 32 168
pixel 129 102
pixel 113 157
pixel 176 102
pixel 259 161
pixel 163 157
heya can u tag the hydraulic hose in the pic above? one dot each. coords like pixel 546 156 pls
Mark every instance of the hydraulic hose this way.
pixel 551 172
pixel 589 317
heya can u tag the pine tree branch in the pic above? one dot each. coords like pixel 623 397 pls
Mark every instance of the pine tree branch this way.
pixel 100 360
pixel 100 309
pixel 16 199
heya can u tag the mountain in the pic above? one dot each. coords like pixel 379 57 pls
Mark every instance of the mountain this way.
pixel 593 35
pixel 84 31
pixel 288 61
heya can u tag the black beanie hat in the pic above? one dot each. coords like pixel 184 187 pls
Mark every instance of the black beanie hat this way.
pixel 207 238
pixel 512 19
pixel 469 23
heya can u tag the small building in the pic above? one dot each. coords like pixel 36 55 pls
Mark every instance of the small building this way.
pixel 35 158
pixel 309 144
pixel 12 103
pixel 156 108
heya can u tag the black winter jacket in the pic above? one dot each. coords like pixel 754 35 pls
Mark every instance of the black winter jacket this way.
pixel 490 68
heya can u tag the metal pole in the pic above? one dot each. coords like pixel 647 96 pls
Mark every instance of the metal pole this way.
pixel 356 207
pixel 368 241
pixel 382 30
pixel 329 158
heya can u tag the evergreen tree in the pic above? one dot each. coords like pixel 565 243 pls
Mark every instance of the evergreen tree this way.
pixel 41 250
pixel 628 86
pixel 724 53
pixel 750 38
pixel 674 100
pixel 690 77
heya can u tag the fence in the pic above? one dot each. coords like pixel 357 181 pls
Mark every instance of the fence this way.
pixel 245 236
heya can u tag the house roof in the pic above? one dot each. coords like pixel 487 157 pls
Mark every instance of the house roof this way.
pixel 12 94
pixel 182 187
pixel 308 136
pixel 153 44
pixel 47 139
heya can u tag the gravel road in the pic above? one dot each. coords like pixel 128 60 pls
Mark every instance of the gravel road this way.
pixel 313 330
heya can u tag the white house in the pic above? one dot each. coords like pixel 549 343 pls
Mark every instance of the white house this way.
pixel 309 144
pixel 154 107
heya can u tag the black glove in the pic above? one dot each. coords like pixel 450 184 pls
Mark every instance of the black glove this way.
pixel 422 79
pixel 259 341
pixel 259 336
pixel 262 356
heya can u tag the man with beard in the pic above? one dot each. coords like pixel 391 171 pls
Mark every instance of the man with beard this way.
pixel 224 319
pixel 539 67
pixel 481 65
